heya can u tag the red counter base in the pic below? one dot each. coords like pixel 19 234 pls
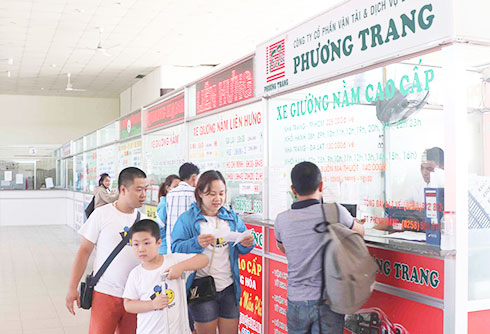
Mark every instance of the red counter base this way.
pixel 478 322
pixel 408 285
pixel 385 313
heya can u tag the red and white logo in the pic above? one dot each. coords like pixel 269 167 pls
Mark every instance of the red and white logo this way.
pixel 276 60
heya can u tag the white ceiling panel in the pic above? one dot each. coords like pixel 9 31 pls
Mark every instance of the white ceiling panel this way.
pixel 48 38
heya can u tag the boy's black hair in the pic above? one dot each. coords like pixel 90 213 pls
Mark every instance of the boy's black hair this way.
pixel 127 176
pixel 147 225
pixel 187 170
pixel 306 177
pixel 436 154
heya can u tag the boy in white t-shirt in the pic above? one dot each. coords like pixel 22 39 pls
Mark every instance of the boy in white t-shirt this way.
pixel 143 293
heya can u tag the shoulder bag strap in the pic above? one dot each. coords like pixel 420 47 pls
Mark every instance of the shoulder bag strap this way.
pixel 333 217
pixel 113 255
pixel 214 248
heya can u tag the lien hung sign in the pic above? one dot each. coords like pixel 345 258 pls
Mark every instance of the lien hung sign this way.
pixel 225 88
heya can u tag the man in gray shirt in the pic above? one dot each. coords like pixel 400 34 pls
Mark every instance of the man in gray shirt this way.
pixel 296 238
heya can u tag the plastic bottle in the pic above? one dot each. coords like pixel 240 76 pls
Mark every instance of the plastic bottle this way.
pixel 448 230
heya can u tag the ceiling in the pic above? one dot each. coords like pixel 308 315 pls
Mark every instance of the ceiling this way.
pixel 43 40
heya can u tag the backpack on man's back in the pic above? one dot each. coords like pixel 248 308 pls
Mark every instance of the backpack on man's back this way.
pixel 348 271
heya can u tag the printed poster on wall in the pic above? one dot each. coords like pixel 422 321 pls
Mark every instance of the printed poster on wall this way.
pixel 79 219
pixel 106 162
pixel 348 36
pixel 231 142
pixel 251 271
pixel 90 161
pixel 78 176
pixel 164 153
pixel 277 297
pixel 129 154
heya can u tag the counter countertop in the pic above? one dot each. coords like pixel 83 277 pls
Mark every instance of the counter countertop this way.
pixel 419 248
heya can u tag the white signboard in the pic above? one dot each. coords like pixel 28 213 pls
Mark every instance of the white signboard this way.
pixel 231 142
pixel 351 36
pixel 164 154
pixel 106 161
pixel 129 154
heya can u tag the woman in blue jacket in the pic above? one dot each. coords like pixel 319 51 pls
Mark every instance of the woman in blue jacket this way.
pixel 201 230
pixel 170 183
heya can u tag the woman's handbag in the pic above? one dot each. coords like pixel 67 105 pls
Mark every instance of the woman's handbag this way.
pixel 202 290
pixel 87 287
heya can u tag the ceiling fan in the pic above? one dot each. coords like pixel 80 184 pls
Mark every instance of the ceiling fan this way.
pixel 100 48
pixel 69 87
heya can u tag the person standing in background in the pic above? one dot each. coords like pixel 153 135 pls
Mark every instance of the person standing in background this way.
pixel 103 195
pixel 179 199
pixel 171 182
pixel 432 171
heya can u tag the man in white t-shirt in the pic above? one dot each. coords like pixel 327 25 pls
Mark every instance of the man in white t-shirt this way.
pixel 180 198
pixel 105 229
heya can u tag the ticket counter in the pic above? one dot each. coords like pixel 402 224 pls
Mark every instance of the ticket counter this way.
pixel 390 99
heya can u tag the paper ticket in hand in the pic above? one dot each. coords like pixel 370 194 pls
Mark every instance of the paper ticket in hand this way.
pixel 229 236
pixel 237 237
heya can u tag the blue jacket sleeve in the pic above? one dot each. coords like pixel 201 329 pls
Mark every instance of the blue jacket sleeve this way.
pixel 162 210
pixel 240 227
pixel 184 236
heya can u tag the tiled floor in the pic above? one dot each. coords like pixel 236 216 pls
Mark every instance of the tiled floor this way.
pixel 35 265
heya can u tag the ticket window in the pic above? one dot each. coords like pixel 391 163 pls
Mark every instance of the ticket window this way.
pixel 377 137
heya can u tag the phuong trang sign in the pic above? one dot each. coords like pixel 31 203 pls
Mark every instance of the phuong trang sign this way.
pixel 355 34
pixel 417 273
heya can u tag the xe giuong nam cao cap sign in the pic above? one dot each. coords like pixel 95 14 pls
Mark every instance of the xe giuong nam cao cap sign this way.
pixel 230 86
pixel 165 112
pixel 353 35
